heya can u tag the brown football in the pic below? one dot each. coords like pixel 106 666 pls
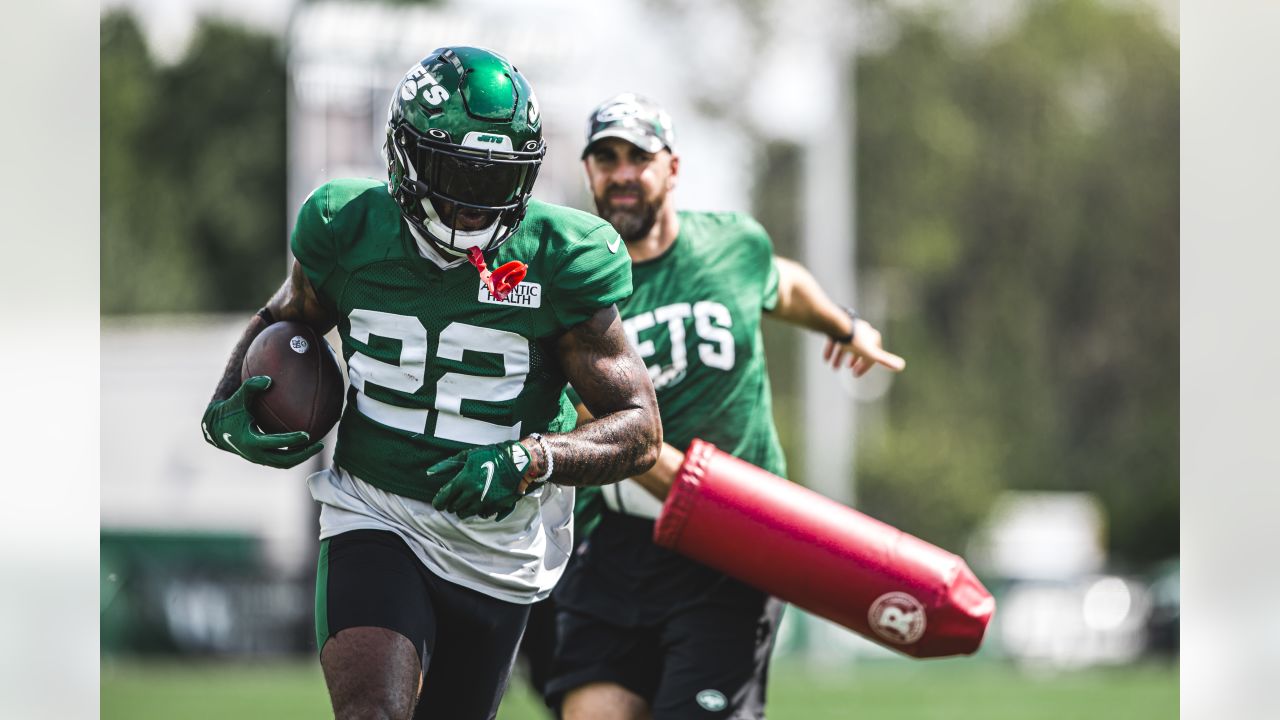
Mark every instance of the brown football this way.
pixel 306 390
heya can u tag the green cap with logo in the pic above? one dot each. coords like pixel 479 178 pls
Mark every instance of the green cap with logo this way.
pixel 634 118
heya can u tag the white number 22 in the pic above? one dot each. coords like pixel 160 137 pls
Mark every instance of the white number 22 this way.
pixel 452 388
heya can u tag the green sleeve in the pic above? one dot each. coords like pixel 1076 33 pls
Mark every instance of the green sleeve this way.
pixel 588 504
pixel 591 275
pixel 312 241
pixel 761 265
pixel 573 396
pixel 769 300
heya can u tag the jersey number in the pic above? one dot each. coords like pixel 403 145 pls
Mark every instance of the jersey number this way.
pixel 452 388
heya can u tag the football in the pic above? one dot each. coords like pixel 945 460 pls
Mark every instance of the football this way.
pixel 306 390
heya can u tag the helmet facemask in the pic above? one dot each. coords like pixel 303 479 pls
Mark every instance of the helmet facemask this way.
pixel 483 173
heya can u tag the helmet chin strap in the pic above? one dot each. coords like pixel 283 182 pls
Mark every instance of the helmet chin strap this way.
pixel 499 282
pixel 429 250
pixel 459 242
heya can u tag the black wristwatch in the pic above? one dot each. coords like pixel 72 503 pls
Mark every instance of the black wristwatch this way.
pixel 853 317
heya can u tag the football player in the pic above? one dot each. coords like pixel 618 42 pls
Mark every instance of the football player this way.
pixel 448 509
pixel 643 632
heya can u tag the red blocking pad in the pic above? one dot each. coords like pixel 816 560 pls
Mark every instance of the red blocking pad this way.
pixel 890 587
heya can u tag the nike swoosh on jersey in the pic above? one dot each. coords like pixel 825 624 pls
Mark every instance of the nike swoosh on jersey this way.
pixel 614 243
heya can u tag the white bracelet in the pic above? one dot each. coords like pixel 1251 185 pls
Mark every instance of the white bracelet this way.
pixel 551 461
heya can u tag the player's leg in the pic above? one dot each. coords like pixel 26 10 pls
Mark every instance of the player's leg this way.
pixel 374 624
pixel 371 672
pixel 538 646
pixel 604 701
pixel 475 647
pixel 602 671
pixel 716 660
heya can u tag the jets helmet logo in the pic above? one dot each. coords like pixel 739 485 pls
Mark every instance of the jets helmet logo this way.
pixel 534 111
pixel 418 79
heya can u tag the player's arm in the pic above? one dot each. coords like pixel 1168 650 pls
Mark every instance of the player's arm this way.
pixel 658 479
pixel 295 301
pixel 625 437
pixel 227 423
pixel 613 383
pixel 802 301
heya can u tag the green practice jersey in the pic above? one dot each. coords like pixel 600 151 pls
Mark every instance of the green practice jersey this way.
pixel 695 317
pixel 435 363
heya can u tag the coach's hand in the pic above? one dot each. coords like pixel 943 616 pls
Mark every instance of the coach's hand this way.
pixel 863 351
pixel 481 481
pixel 228 425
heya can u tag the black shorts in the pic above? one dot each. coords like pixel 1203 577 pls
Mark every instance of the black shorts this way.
pixel 465 639
pixel 708 660
pixel 538 646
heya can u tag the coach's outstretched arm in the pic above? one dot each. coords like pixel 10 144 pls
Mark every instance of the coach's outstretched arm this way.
pixel 801 301
pixel 227 423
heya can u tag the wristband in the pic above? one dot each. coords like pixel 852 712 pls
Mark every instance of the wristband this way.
pixel 853 323
pixel 551 461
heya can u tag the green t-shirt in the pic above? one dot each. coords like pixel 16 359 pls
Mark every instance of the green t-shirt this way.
pixel 435 363
pixel 694 317
pixel 587 506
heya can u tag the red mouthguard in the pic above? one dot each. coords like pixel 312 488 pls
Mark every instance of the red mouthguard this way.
pixel 502 281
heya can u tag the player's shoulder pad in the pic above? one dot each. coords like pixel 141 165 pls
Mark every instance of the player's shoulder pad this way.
pixel 565 229
pixel 337 197
pixel 581 258
pixel 335 215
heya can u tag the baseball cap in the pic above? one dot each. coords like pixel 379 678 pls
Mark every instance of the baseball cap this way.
pixel 631 117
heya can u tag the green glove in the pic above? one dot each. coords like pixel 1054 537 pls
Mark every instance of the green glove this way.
pixel 228 425
pixel 481 481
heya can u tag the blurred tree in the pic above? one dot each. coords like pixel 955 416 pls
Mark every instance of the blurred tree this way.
pixel 1025 190
pixel 193 174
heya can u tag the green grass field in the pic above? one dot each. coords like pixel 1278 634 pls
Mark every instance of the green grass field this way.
pixel 876 690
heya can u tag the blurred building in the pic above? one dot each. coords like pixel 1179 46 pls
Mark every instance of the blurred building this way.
pixel 1060 604
pixel 200 551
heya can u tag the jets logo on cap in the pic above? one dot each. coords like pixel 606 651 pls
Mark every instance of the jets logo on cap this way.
pixel 618 111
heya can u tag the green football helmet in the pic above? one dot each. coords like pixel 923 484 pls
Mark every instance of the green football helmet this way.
pixel 464 128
